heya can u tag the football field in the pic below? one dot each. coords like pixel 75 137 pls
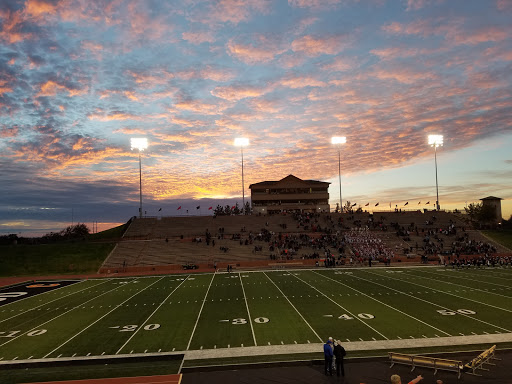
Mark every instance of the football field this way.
pixel 208 313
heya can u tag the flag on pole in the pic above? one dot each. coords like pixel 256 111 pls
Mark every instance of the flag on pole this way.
pixel 406 204
pixel 210 208
pixel 179 208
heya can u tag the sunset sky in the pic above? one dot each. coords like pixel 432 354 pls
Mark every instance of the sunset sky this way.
pixel 79 78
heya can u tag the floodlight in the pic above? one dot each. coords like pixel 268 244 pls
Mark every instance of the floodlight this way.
pixel 435 140
pixel 241 142
pixel 140 143
pixel 338 140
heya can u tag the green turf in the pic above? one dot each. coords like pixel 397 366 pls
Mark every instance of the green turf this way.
pixel 503 237
pixel 215 312
pixel 48 259
pixel 92 371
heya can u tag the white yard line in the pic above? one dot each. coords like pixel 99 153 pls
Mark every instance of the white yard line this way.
pixel 72 293
pixel 149 317
pixel 426 301
pixel 389 306
pixel 339 305
pixel 460 285
pixel 200 311
pixel 40 294
pixel 62 314
pixel 248 312
pixel 296 310
pixel 106 314
pixel 451 294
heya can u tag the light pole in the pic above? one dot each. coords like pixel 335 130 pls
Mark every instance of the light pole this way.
pixel 436 141
pixel 140 143
pixel 338 140
pixel 242 142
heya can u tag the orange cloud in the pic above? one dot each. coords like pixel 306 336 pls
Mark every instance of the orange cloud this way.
pixel 51 88
pixel 114 116
pixel 235 93
pixel 35 8
pixel 251 54
pixel 301 82
pixel 315 46
pixel 199 107
pixel 8 132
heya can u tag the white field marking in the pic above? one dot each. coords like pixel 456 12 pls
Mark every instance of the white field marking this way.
pixel 58 298
pixel 106 314
pixel 465 286
pixel 460 297
pixel 373 298
pixel 248 312
pixel 44 293
pixel 200 311
pixel 434 304
pixel 62 314
pixel 149 317
pixel 293 306
pixel 346 310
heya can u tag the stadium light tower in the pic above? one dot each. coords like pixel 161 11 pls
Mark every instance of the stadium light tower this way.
pixel 338 140
pixel 436 141
pixel 242 142
pixel 140 143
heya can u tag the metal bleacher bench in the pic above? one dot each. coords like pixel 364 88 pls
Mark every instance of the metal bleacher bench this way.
pixel 429 362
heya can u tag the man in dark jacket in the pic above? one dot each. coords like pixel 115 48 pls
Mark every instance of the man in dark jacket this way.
pixel 339 352
pixel 328 353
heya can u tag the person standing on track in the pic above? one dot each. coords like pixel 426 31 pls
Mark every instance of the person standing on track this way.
pixel 328 354
pixel 339 353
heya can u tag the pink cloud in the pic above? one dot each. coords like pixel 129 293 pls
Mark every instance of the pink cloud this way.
pixel 339 64
pixel 208 72
pixel 504 5
pixel 198 37
pixel 414 5
pixel 313 3
pixel 238 92
pixel 251 54
pixel 316 46
pixel 232 11
pixel 295 82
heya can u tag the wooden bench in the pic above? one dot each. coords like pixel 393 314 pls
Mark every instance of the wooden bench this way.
pixel 428 362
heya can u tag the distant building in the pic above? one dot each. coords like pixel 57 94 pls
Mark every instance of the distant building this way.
pixel 495 203
pixel 290 194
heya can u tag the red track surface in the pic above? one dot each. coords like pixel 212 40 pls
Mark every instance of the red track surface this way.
pixel 161 379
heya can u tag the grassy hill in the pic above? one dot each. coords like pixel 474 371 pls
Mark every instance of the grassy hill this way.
pixel 66 257
pixel 503 237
